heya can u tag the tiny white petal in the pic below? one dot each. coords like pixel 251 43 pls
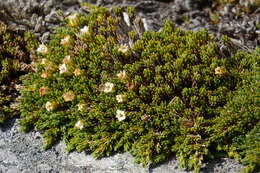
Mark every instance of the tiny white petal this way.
pixel 43 62
pixel 49 106
pixel 123 48
pixel 119 98
pixel 63 69
pixel 121 74
pixel 108 87
pixel 42 49
pixel 80 106
pixel 79 125
pixel 120 115
pixel 84 30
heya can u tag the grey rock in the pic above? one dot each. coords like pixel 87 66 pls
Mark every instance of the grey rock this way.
pixel 45 37
pixel 38 27
pixel 52 17
pixel 22 152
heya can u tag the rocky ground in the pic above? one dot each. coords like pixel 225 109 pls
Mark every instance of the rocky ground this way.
pixel 21 152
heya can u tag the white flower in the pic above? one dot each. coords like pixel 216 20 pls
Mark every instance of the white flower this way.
pixel 73 19
pixel 80 106
pixel 79 125
pixel 119 98
pixel 123 48
pixel 120 115
pixel 84 30
pixel 126 18
pixel 66 59
pixel 44 60
pixel 108 87
pixel 63 69
pixel 66 41
pixel 42 49
pixel 49 106
pixel 121 74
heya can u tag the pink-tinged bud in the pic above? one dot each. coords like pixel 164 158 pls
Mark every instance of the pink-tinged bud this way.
pixel 43 90
pixel 68 96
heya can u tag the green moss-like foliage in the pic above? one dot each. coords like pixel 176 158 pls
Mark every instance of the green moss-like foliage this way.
pixel 237 128
pixel 161 96
pixel 14 56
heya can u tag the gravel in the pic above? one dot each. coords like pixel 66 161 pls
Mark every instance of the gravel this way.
pixel 20 152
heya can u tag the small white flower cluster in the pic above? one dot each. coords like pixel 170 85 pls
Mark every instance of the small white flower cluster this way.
pixel 67 59
pixel 108 87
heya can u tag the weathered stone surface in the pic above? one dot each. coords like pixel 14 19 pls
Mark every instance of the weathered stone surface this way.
pixel 20 152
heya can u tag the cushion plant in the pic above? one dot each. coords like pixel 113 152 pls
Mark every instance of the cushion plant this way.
pixel 14 59
pixel 151 94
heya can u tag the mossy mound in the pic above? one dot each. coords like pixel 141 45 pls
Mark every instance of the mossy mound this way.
pixel 158 95
pixel 14 59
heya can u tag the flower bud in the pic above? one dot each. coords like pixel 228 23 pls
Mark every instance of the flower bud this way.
pixel 67 41
pixel 68 96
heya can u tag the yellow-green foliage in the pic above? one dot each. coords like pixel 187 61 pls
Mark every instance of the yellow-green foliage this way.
pixel 14 51
pixel 161 96
pixel 237 129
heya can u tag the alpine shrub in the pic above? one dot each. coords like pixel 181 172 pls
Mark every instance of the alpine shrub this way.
pixel 152 93
pixel 14 60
